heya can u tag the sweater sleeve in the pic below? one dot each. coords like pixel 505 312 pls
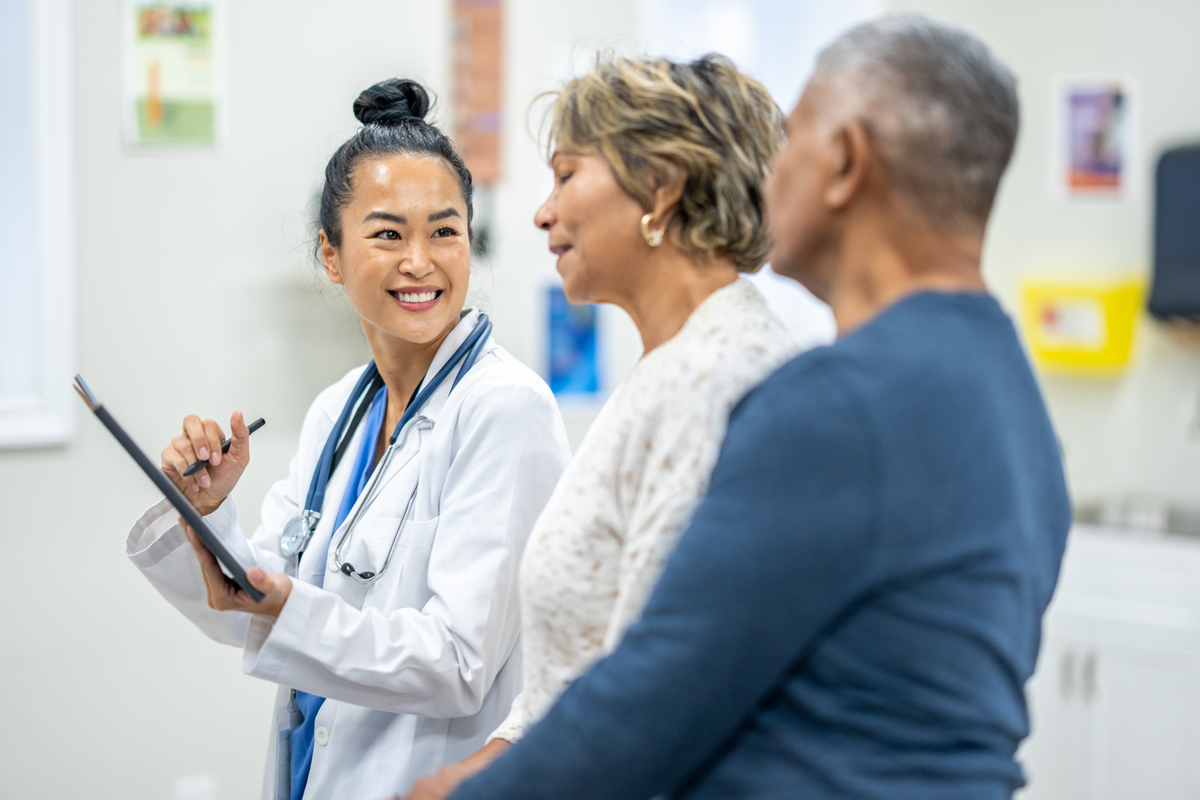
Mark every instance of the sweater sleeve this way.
pixel 774 554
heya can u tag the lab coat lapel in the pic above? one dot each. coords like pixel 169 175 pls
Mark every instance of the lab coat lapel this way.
pixel 432 409
pixel 411 439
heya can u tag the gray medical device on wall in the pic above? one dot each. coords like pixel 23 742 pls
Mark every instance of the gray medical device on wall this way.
pixel 1175 291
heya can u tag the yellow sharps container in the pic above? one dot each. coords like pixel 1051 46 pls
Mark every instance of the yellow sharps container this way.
pixel 1078 326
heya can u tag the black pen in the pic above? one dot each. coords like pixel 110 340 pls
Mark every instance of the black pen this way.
pixel 199 465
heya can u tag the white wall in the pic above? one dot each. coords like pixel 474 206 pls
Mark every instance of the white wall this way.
pixel 776 41
pixel 1128 434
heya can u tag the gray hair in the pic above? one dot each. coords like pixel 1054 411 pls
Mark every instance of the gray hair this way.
pixel 938 104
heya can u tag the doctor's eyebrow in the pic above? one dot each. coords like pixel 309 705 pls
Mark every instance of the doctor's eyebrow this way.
pixel 383 215
pixel 443 214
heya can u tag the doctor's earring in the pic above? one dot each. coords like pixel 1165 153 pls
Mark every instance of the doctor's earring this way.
pixel 653 238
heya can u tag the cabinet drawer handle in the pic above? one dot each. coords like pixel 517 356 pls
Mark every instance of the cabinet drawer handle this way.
pixel 1066 674
pixel 1088 676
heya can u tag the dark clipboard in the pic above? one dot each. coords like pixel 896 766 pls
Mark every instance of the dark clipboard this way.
pixel 170 491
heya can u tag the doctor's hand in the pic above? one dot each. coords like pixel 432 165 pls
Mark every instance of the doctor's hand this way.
pixel 200 440
pixel 225 595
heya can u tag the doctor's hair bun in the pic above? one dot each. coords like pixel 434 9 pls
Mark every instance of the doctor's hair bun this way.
pixel 392 102
pixel 393 116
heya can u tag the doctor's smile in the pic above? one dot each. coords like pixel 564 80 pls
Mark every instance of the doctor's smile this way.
pixel 417 298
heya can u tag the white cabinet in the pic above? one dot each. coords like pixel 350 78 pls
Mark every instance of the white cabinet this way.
pixel 1115 702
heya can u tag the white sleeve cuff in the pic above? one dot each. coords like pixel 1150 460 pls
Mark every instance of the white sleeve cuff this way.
pixel 158 532
pixel 155 535
pixel 515 724
pixel 158 547
pixel 272 642
pixel 224 519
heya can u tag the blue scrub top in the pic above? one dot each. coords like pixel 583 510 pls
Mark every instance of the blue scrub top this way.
pixel 300 740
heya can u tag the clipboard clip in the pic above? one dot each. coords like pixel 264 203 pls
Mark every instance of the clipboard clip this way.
pixel 81 387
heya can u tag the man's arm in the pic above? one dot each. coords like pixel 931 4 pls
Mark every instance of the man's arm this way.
pixel 778 549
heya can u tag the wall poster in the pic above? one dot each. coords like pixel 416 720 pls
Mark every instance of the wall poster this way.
pixel 574 369
pixel 478 59
pixel 1094 138
pixel 173 72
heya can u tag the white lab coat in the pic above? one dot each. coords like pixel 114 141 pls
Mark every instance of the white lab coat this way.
pixel 420 666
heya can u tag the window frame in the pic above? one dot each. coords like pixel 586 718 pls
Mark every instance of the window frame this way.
pixel 46 417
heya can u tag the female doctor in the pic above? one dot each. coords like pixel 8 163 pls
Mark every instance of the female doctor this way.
pixel 388 556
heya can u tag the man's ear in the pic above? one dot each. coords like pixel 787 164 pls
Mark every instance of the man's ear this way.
pixel 329 258
pixel 666 200
pixel 852 157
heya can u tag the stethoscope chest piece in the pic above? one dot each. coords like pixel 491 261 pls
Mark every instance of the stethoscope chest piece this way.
pixel 297 533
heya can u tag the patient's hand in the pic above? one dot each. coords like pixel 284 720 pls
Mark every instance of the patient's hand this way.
pixel 439 785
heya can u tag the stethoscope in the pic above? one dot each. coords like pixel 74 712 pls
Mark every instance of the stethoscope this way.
pixel 299 530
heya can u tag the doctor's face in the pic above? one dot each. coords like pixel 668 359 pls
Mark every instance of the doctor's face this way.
pixel 405 258
pixel 594 229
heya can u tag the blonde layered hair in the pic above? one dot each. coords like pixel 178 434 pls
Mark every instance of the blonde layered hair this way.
pixel 656 121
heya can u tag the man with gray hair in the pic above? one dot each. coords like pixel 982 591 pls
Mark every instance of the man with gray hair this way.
pixel 857 603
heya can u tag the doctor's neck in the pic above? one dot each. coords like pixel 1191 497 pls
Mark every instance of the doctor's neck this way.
pixel 402 364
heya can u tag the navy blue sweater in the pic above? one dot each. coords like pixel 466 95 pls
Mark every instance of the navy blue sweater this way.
pixel 857 604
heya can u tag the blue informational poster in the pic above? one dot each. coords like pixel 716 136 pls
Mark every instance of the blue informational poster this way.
pixel 572 344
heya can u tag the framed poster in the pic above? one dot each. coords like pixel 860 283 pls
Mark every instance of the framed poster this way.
pixel 173 72
pixel 1094 138
pixel 478 91
pixel 36 274
pixel 574 370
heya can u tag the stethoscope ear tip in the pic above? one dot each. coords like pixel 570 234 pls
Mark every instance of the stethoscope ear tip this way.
pixel 361 577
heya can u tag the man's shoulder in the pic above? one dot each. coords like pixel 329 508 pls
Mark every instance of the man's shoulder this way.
pixel 927 342
pixel 927 348
pixel 813 395
pixel 816 377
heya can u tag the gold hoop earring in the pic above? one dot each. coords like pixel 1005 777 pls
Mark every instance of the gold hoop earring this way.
pixel 653 238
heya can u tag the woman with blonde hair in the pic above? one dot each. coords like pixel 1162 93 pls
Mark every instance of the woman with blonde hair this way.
pixel 657 207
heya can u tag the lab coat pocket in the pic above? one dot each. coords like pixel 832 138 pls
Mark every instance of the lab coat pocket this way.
pixel 377 536
pixel 419 534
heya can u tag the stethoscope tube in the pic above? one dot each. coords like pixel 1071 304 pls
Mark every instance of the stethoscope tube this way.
pixel 346 568
pixel 299 531
pixel 472 347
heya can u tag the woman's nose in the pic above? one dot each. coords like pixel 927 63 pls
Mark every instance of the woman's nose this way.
pixel 545 217
pixel 417 262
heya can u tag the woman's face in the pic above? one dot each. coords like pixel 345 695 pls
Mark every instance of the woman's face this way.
pixel 594 229
pixel 405 258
